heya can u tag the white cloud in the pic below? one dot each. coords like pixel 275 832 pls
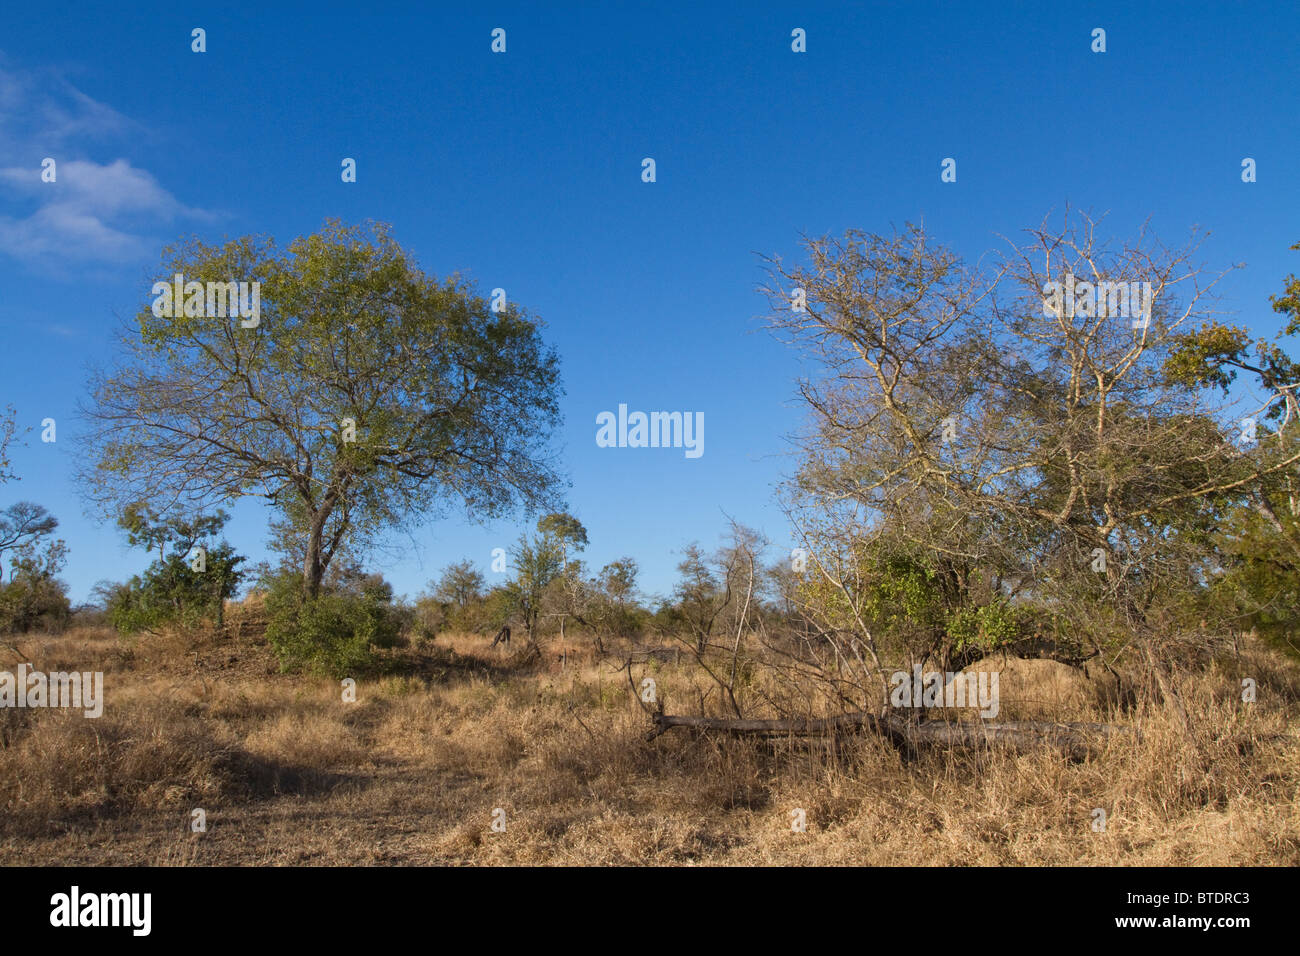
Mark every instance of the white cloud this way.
pixel 44 111
pixel 98 212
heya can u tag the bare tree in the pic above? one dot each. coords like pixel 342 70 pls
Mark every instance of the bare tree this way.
pixel 991 463
pixel 8 428
pixel 718 599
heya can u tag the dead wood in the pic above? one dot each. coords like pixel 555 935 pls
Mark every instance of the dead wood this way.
pixel 1018 735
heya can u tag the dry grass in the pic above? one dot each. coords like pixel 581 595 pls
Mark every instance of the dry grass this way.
pixel 290 774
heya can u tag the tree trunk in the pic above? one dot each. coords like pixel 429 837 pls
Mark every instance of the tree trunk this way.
pixel 312 570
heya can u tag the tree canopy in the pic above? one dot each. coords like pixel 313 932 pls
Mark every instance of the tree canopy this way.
pixel 368 394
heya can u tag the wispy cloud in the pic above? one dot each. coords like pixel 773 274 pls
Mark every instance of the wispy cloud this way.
pixel 100 212
pixel 43 110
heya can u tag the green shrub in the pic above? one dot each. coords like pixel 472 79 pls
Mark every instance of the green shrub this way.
pixel 33 603
pixel 172 592
pixel 334 634
pixel 988 626
pixel 34 598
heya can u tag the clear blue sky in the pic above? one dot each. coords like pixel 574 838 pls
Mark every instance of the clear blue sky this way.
pixel 523 170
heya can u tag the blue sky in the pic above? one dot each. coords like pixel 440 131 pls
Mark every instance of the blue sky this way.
pixel 523 170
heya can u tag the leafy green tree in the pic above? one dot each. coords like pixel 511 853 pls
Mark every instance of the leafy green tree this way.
pixel 189 585
pixel 1259 535
pixel 613 609
pixel 35 598
pixel 367 394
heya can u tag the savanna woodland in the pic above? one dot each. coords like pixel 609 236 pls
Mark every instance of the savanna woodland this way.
pixel 1100 507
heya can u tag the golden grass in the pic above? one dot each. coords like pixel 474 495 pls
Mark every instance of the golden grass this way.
pixel 411 773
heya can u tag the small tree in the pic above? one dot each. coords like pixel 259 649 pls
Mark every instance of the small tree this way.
pixel 23 524
pixel 461 585
pixel 185 587
pixel 543 565
pixel 614 610
pixel 717 602
pixel 698 596
pixel 454 601
pixel 35 598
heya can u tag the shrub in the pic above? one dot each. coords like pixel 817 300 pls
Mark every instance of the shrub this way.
pixel 987 626
pixel 34 598
pixel 33 602
pixel 333 634
pixel 172 592
pixel 431 617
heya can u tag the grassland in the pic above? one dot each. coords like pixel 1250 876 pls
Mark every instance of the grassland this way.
pixel 290 774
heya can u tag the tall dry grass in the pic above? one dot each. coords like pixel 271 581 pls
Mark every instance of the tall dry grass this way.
pixel 411 773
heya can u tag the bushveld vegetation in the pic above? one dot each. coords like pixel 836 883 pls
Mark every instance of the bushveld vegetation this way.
pixel 989 479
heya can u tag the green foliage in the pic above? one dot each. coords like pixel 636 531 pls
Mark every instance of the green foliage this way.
pixel 333 634
pixel 618 580
pixel 564 530
pixel 455 603
pixel 461 584
pixel 370 394
pixel 988 626
pixel 1260 585
pixel 498 605
pixel 902 595
pixel 1212 355
pixel 1258 537
pixel 34 598
pixel 175 589
pixel 1209 356
pixel 542 564
pixel 613 608
pixel 698 598
pixel 171 591
pixel 1288 303
pixel 919 605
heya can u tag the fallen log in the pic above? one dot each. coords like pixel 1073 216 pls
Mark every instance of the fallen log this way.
pixel 1076 738
pixel 1018 735
pixel 797 726
pixel 642 655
